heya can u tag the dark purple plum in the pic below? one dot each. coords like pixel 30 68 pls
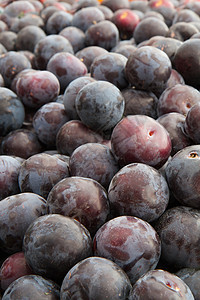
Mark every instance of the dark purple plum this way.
pixel 37 88
pixel 11 63
pixel 178 228
pixel 48 120
pixel 160 282
pixel 58 21
pixel 186 61
pixel 183 177
pixel 14 267
pixel 100 105
pixel 8 40
pixel 86 17
pixel 116 4
pixel 19 211
pixel 165 7
pixel 140 138
pixel 110 67
pixel 75 35
pixel 174 124
pixel 28 37
pixel 94 160
pixel 32 286
pixel 148 68
pixel 138 102
pixel 80 198
pixel 149 27
pixel 104 34
pixel 53 244
pixel 95 278
pixel 71 92
pixel 88 54
pixel 12 112
pixel 9 171
pixel 179 98
pixel 182 31
pixel 48 46
pixel 138 190
pixel 40 172
pixel 192 278
pixel 74 134
pixel 186 15
pixel 191 124
pixel 14 9
pixel 131 243
pixel 66 67
pixel 22 143
pixel 175 78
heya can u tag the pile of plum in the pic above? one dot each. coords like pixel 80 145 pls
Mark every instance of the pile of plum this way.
pixel 100 150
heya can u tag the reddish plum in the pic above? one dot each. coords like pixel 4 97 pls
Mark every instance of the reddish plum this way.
pixel 140 138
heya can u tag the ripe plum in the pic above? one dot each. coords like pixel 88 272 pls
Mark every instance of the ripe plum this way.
pixel 14 267
pixel 159 282
pixel 40 172
pixel 100 105
pixel 54 243
pixel 17 213
pixel 74 134
pixel 130 242
pixel 138 190
pixel 32 286
pixel 94 160
pixel 140 138
pixel 80 198
pixel 95 278
pixel 48 120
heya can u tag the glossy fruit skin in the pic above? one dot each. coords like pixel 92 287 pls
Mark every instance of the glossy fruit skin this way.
pixel 11 63
pixel 76 37
pixel 19 211
pixel 191 124
pixel 73 134
pixel 130 189
pixel 139 138
pixel 179 98
pixel 12 112
pixel 22 143
pixel 103 34
pixel 66 67
pixel 32 286
pixel 148 68
pixel 80 198
pixel 100 105
pixel 54 243
pixel 37 88
pixel 191 277
pixel 131 243
pixel 49 46
pixel 179 231
pixel 86 17
pixel 40 172
pixel 149 27
pixel 89 53
pixel 95 278
pixel 182 173
pixel 94 160
pixel 174 124
pixel 189 54
pixel 14 267
pixel 70 94
pixel 138 102
pixel 9 167
pixel 57 21
pixel 48 120
pixel 110 67
pixel 159 282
